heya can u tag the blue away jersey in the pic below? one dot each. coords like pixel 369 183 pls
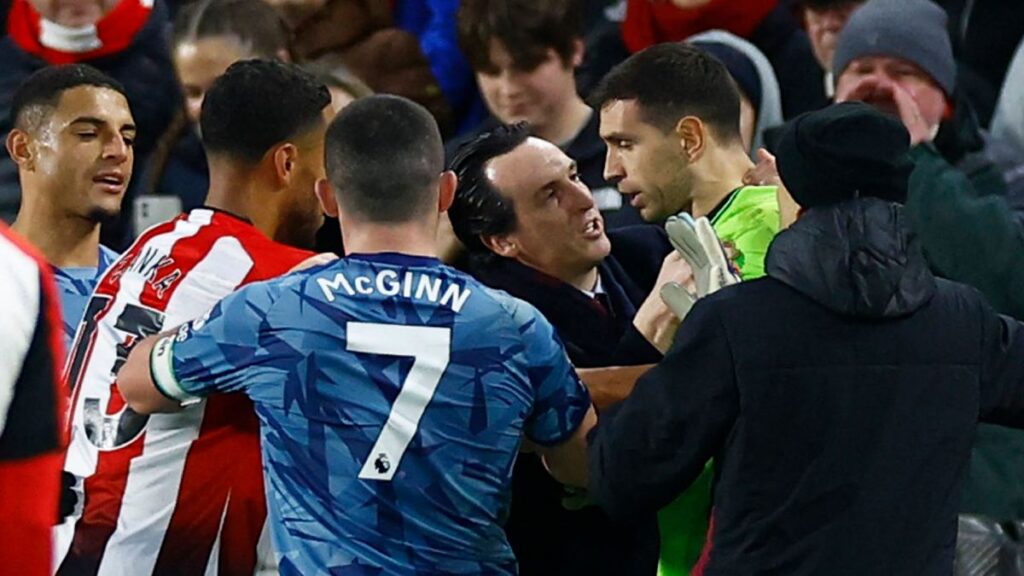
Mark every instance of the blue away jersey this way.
pixel 393 392
pixel 76 286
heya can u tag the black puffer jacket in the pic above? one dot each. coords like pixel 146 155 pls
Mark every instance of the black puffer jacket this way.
pixel 839 397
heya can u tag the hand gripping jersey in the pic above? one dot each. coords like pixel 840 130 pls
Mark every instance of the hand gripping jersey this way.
pixel 393 393
pixel 31 429
pixel 169 493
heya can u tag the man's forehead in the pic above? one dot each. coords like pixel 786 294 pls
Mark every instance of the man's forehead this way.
pixel 93 102
pixel 530 166
pixel 618 116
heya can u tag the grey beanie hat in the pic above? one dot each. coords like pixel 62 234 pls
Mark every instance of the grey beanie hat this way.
pixel 913 30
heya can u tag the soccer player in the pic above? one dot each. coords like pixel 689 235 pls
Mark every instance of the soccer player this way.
pixel 31 428
pixel 393 391
pixel 73 143
pixel 182 493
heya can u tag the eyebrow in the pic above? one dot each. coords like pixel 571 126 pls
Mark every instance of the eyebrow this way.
pixel 572 167
pixel 616 136
pixel 98 122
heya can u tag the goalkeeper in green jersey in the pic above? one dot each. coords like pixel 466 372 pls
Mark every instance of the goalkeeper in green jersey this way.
pixel 670 116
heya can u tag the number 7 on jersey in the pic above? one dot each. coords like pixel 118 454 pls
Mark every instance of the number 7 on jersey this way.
pixel 430 348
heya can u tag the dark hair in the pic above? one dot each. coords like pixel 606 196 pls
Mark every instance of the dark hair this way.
pixel 526 29
pixel 42 91
pixel 673 80
pixel 254 23
pixel 257 104
pixel 479 208
pixel 383 156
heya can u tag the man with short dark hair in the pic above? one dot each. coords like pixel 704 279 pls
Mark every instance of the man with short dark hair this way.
pixel 670 118
pixel 532 229
pixel 839 395
pixel 73 144
pixel 524 54
pixel 393 392
pixel 181 493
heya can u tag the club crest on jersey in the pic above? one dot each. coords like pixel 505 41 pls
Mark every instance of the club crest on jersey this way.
pixel 382 464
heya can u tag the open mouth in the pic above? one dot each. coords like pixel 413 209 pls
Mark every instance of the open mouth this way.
pixel 594 228
pixel 110 180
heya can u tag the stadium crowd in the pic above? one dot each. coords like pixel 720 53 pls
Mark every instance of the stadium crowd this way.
pixel 538 287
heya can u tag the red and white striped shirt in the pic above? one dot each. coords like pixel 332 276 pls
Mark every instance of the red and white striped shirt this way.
pixel 31 405
pixel 168 493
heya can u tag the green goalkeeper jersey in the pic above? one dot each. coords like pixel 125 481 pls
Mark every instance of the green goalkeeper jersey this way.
pixel 748 219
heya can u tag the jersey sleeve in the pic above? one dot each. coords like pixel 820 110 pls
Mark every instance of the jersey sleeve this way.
pixel 561 400
pixel 216 352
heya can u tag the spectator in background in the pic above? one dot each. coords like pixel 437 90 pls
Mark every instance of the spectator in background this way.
pixel 31 408
pixel 768 24
pixel 824 20
pixel 532 229
pixel 896 56
pixel 760 106
pixel 345 88
pixel 73 143
pixel 404 47
pixel 896 52
pixel 208 36
pixel 124 39
pixel 524 54
pixel 985 35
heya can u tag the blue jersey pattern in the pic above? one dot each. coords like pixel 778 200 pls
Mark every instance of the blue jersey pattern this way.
pixel 76 286
pixel 459 373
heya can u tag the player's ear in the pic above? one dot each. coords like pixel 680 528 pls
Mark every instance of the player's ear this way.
pixel 446 190
pixel 20 150
pixel 325 194
pixel 285 161
pixel 693 135
pixel 501 244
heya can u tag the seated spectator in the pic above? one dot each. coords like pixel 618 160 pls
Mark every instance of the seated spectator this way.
pixel 532 229
pixel 404 47
pixel 345 88
pixel 768 24
pixel 124 39
pixel 524 54
pixel 209 36
pixel 825 20
pixel 760 107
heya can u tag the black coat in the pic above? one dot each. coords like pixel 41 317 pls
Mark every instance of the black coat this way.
pixel 839 397
pixel 546 537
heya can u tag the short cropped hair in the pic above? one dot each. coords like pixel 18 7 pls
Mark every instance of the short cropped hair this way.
pixel 526 28
pixel 258 104
pixel 673 80
pixel 384 156
pixel 40 93
pixel 479 208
